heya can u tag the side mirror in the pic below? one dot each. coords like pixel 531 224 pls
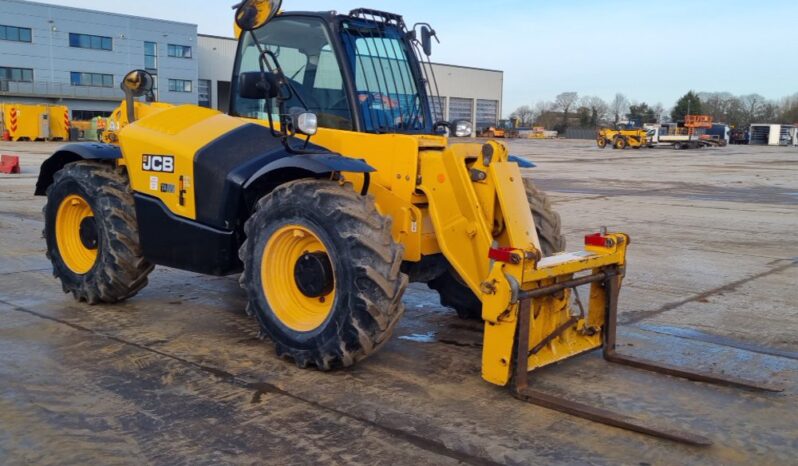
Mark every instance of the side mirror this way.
pixel 258 85
pixel 252 14
pixel 426 40
pixel 136 84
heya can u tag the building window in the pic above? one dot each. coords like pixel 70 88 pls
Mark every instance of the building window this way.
pixel 204 91
pixel 15 34
pixel 151 57
pixel 179 51
pixel 180 85
pixel 86 41
pixel 19 75
pixel 92 79
pixel 87 115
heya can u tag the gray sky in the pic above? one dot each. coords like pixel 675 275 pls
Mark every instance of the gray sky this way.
pixel 650 51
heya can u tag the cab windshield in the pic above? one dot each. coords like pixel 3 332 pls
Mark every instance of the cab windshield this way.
pixel 383 93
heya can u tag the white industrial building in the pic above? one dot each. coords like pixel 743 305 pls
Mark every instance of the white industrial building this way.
pixel 77 57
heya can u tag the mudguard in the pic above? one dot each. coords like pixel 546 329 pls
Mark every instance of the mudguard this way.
pixel 318 164
pixel 72 153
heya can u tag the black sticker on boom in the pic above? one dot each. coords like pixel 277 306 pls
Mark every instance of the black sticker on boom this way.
pixel 158 163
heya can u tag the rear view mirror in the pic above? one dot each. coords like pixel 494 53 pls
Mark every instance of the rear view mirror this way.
pixel 252 14
pixel 426 40
pixel 138 83
pixel 258 85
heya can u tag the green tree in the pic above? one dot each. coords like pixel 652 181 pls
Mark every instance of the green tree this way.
pixel 643 113
pixel 688 104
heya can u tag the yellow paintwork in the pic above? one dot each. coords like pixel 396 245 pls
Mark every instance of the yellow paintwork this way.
pixel 178 132
pixel 72 211
pixel 295 310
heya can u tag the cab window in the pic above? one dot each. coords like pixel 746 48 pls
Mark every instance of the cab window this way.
pixel 302 47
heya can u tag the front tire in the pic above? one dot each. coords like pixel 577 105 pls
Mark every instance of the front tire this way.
pixel 453 291
pixel 92 234
pixel 322 273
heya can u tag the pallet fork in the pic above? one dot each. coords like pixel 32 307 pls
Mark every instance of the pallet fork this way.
pixel 609 280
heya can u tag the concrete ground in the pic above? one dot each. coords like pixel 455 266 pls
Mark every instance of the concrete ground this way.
pixel 177 375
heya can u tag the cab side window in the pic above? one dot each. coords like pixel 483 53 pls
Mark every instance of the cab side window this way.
pixel 302 47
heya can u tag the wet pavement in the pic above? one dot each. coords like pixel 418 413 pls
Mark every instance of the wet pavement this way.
pixel 178 375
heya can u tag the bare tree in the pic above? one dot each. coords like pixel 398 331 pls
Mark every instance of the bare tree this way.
pixel 525 114
pixel 659 112
pixel 598 109
pixel 752 104
pixel 619 106
pixel 565 102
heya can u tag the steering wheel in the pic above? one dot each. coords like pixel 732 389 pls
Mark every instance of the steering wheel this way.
pixel 310 100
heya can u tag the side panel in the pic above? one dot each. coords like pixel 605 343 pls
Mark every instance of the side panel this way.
pixel 160 150
pixel 177 242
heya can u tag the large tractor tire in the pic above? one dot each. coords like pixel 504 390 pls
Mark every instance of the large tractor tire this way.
pixel 620 143
pixel 602 143
pixel 322 273
pixel 453 291
pixel 92 234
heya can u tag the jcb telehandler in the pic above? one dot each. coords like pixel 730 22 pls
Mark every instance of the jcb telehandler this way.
pixel 330 186
pixel 623 136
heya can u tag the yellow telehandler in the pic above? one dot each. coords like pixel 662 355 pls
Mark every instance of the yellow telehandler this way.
pixel 329 187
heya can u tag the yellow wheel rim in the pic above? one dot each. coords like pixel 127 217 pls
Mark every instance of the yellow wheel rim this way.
pixel 290 305
pixel 75 254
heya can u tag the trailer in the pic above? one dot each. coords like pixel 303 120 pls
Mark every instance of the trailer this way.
pixel 670 135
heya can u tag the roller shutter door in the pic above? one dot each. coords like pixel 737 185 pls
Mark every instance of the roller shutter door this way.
pixel 460 109
pixel 487 113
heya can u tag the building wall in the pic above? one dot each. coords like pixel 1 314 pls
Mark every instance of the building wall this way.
pixel 53 60
pixel 216 59
pixel 472 84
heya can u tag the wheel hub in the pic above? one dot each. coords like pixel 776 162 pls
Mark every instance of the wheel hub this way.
pixel 88 233
pixel 313 274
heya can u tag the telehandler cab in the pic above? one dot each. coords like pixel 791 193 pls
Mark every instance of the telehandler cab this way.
pixel 329 187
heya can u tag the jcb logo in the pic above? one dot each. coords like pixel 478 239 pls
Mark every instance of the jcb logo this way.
pixel 158 163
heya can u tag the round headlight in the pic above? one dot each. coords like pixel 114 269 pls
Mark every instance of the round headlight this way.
pixel 307 123
pixel 463 129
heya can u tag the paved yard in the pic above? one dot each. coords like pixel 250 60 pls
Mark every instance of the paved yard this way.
pixel 177 375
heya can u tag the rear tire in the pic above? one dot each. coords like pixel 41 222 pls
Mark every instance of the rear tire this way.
pixel 453 291
pixel 356 308
pixel 602 143
pixel 101 261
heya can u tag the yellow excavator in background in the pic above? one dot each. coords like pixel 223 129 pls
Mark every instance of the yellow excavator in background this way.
pixel 329 187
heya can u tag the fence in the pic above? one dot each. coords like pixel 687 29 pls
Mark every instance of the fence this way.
pixel 581 133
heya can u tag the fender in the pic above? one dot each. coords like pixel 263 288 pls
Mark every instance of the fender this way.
pixel 294 167
pixel 72 153
pixel 317 164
